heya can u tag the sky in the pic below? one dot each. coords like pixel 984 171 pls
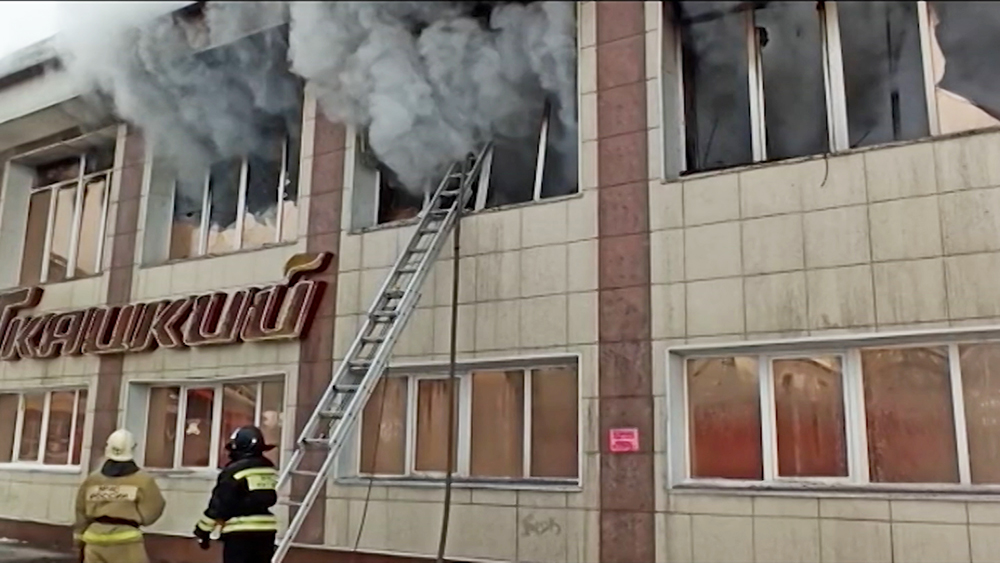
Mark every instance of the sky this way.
pixel 24 23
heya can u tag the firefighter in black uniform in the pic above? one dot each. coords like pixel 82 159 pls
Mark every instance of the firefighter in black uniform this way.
pixel 241 501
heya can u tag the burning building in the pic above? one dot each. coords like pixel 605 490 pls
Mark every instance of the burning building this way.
pixel 724 281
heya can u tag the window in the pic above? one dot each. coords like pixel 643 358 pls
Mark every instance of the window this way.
pixel 785 79
pixel 512 424
pixel 187 426
pixel 879 415
pixel 242 203
pixel 67 217
pixel 42 427
pixel 515 170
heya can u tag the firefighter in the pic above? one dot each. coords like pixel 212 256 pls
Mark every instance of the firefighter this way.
pixel 241 501
pixel 112 504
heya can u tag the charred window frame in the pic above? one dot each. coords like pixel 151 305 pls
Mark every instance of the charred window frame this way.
pixel 197 224
pixel 67 212
pixel 379 199
pixel 850 97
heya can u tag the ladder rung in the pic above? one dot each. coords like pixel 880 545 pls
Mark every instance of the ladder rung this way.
pixel 395 293
pixel 346 388
pixel 305 473
pixel 316 441
pixel 427 231
pixel 333 413
pixel 407 270
pixel 289 502
pixel 376 340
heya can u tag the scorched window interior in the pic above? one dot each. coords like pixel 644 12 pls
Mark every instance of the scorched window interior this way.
pixel 512 425
pixel 916 415
pixel 240 204
pixel 67 217
pixel 515 171
pixel 187 426
pixel 42 427
pixel 773 80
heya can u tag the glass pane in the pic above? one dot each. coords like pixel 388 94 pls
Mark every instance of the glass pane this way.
pixel 272 415
pixel 31 427
pixel 34 239
pixel 90 227
pixel 716 94
pixel 8 425
pixel 963 43
pixel 260 222
pixel 81 418
pixel 497 441
pixel 198 428
pixel 224 192
pixel 239 408
pixel 809 410
pixel 432 426
pixel 724 418
pixel 290 206
pixel 883 72
pixel 60 427
pixel 791 54
pixel 911 426
pixel 981 390
pixel 161 427
pixel 65 170
pixel 185 234
pixel 555 423
pixel 383 429
pixel 61 232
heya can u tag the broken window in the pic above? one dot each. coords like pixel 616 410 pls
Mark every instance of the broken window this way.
pixel 541 166
pixel 242 203
pixel 774 80
pixel 963 40
pixel 883 72
pixel 67 213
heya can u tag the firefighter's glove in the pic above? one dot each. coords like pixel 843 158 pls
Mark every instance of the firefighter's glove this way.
pixel 204 537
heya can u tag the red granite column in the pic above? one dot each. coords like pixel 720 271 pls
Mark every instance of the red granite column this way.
pixel 625 363
pixel 316 351
pixel 122 249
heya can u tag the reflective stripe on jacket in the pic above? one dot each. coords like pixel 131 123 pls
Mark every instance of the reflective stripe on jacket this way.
pixel 101 535
pixel 242 498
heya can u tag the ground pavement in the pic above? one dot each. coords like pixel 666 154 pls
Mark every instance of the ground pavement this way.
pixel 15 553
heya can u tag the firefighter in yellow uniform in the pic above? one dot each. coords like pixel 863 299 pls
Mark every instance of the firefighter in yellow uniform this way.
pixel 113 503
pixel 241 501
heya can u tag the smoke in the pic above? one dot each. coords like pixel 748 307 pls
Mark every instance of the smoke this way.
pixel 428 81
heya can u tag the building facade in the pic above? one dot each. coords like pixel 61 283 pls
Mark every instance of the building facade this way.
pixel 719 345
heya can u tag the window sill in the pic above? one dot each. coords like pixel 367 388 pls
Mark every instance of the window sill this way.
pixel 41 468
pixel 175 261
pixel 820 489
pixel 700 174
pixel 544 485
pixel 497 209
pixel 60 282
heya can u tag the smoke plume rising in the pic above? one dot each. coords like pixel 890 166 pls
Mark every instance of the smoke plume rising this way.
pixel 428 81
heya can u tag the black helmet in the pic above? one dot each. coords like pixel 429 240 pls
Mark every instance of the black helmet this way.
pixel 245 441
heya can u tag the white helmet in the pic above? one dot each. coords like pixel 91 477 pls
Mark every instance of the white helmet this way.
pixel 120 446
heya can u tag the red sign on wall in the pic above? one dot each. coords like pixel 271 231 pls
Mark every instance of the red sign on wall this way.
pixel 623 440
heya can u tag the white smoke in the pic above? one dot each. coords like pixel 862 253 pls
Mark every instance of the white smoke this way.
pixel 427 81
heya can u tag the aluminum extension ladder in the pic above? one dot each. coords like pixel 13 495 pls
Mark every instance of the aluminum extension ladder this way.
pixel 330 424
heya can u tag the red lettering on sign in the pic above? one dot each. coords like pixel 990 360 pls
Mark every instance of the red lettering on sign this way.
pixel 277 312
